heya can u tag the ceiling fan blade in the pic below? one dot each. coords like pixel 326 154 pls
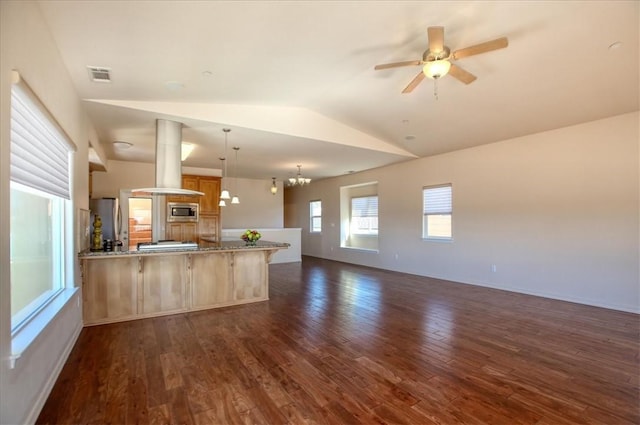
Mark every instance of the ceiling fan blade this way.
pixel 498 43
pixel 397 64
pixel 414 83
pixel 460 74
pixel 436 39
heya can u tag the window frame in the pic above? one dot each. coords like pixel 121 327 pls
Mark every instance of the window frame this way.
pixel 59 208
pixel 440 211
pixel 312 216
pixel 28 113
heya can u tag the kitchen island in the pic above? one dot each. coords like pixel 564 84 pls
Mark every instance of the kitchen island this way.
pixel 127 285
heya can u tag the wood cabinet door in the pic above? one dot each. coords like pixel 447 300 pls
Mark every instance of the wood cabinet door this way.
pixel 211 280
pixel 163 283
pixel 109 289
pixel 210 186
pixel 188 182
pixel 208 226
pixel 182 231
pixel 250 275
pixel 190 232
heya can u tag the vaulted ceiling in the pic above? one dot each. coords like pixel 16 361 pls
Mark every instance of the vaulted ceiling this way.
pixel 295 81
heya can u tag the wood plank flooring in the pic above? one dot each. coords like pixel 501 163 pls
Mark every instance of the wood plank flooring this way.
pixel 343 344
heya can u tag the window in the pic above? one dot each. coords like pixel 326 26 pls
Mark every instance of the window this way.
pixel 364 215
pixel 40 206
pixel 359 216
pixel 315 216
pixel 437 207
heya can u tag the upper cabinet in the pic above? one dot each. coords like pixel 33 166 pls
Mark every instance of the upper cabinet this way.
pixel 211 189
pixel 209 215
pixel 188 182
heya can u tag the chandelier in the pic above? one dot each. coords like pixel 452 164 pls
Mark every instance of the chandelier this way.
pixel 298 180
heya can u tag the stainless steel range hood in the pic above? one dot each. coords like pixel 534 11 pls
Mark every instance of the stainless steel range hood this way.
pixel 168 163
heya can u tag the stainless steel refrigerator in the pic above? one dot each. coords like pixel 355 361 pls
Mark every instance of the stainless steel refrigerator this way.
pixel 109 211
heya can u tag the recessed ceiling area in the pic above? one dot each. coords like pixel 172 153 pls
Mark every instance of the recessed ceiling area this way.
pixel 295 81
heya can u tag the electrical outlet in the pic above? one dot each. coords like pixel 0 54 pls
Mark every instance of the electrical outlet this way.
pixel 494 268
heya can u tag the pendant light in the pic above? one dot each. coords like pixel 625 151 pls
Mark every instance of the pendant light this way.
pixel 274 187
pixel 225 192
pixel 222 202
pixel 235 199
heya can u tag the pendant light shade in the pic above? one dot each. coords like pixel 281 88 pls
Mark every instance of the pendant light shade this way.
pixel 274 186
pixel 225 193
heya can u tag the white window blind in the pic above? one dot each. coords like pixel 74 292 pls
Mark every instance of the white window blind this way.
pixel 437 210
pixel 364 215
pixel 364 207
pixel 39 150
pixel 437 200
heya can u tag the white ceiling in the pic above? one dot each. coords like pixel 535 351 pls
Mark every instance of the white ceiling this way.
pixel 295 80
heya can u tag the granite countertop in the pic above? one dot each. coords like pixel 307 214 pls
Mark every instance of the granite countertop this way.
pixel 206 246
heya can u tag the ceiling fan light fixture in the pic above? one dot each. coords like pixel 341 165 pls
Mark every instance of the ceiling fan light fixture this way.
pixel 274 186
pixel 436 69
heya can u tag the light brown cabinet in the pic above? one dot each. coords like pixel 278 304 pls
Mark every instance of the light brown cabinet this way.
pixel 210 186
pixel 209 226
pixel 249 273
pixel 190 183
pixel 124 288
pixel 182 231
pixel 209 211
pixel 108 293
pixel 210 278
pixel 163 282
pixel 132 286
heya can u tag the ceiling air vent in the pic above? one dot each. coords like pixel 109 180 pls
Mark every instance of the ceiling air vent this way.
pixel 99 74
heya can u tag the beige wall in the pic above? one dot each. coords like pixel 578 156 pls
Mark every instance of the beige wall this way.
pixel 555 212
pixel 258 208
pixel 27 46
pixel 122 175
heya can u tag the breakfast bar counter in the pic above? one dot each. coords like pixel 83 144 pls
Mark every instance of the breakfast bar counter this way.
pixel 127 285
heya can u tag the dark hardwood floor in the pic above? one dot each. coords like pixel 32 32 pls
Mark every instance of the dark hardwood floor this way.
pixel 343 344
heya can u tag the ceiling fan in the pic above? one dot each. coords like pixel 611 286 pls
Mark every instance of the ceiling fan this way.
pixel 436 60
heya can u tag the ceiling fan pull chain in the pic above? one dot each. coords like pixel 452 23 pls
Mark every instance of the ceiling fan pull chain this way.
pixel 435 88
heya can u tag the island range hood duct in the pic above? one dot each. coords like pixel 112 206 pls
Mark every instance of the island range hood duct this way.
pixel 168 163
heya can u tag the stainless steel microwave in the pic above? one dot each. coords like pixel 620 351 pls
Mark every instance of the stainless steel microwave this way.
pixel 180 212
